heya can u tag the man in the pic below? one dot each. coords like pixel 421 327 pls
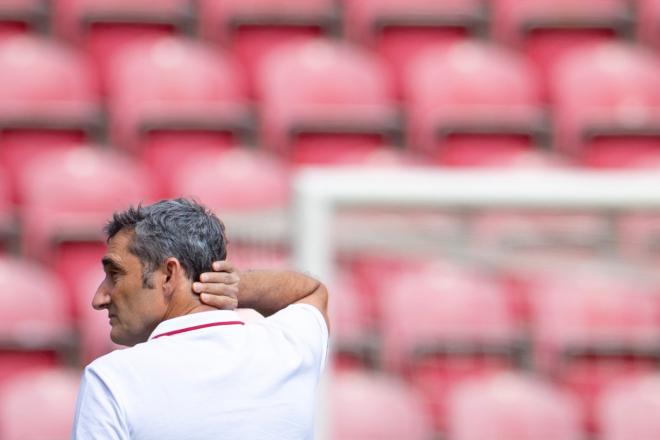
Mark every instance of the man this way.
pixel 193 371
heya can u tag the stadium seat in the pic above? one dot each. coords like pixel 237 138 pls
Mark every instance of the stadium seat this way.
pixel 512 407
pixel 47 101
pixel 249 191
pixel 35 330
pixel 8 219
pixel 545 30
pixel 639 234
pixel 22 16
pixel 39 405
pixel 66 206
pixel 322 101
pixel 442 324
pixel 486 110
pixel 593 328
pixel 399 29
pixel 371 406
pixel 173 98
pixel 104 28
pixel 648 19
pixel 252 29
pixel 607 106
pixel 629 410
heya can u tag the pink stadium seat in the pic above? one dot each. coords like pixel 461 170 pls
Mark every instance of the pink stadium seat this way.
pixel 399 29
pixel 47 101
pixel 249 190
pixel 512 407
pixel 66 206
pixel 251 29
pixel 640 237
pixel 323 101
pixel 607 106
pixel 442 324
pixel 39 405
pixel 629 410
pixel 593 329
pixel 8 221
pixel 370 406
pixel 172 98
pixel 35 330
pixel 486 110
pixel 104 28
pixel 548 29
pixel 648 18
pixel 21 16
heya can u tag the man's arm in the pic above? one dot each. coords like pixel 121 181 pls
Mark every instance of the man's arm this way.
pixel 265 291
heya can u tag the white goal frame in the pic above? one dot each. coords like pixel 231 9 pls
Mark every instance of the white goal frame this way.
pixel 319 192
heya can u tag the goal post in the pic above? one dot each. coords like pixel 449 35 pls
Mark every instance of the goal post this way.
pixel 319 193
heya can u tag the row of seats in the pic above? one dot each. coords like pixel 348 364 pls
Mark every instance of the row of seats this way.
pixel 325 102
pixel 364 406
pixel 500 407
pixel 395 28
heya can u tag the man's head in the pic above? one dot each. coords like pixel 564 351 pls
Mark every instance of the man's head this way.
pixel 154 254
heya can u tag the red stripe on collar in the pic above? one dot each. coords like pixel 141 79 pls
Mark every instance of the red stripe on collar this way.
pixel 197 327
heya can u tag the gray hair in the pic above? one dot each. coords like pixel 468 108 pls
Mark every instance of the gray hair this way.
pixel 179 228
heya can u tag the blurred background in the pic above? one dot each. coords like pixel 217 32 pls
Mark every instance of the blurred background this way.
pixel 453 323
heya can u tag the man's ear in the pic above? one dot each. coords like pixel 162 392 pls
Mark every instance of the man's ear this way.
pixel 172 272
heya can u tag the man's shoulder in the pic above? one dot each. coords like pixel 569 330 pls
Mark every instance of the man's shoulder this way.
pixel 118 358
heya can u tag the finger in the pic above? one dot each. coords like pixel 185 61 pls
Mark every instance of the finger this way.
pixel 216 289
pixel 219 277
pixel 223 266
pixel 219 302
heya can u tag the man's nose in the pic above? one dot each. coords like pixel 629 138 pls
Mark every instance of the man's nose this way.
pixel 101 298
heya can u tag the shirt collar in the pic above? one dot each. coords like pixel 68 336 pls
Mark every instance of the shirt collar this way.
pixel 195 321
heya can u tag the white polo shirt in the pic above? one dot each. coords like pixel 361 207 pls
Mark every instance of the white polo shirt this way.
pixel 209 376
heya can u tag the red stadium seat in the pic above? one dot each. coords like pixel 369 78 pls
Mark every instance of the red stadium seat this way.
pixel 34 328
pixel 251 29
pixel 250 192
pixel 369 406
pixel 104 28
pixel 442 324
pixel 512 407
pixel 39 405
pixel 173 98
pixel 322 101
pixel 8 221
pixel 607 106
pixel 548 29
pixel 648 18
pixel 66 206
pixel 47 101
pixel 21 16
pixel 629 410
pixel 486 110
pixel 399 29
pixel 593 329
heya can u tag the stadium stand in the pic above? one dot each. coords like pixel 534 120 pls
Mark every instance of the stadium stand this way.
pixel 398 30
pixel 39 405
pixel 545 30
pixel 103 28
pixel 324 101
pixel 35 330
pixel 252 29
pixel 388 410
pixel 628 410
pixel 172 98
pixel 47 101
pixel 487 110
pixel 606 106
pixel 66 206
pixel 8 221
pixel 648 18
pixel 442 324
pixel 21 16
pixel 595 328
pixel 512 407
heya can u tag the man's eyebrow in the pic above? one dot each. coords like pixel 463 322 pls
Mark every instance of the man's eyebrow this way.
pixel 109 263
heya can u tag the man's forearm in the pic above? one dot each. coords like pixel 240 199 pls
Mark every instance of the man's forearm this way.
pixel 270 291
